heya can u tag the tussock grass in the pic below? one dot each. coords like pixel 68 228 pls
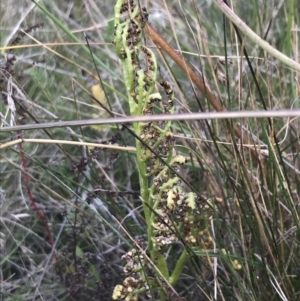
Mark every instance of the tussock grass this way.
pixel 69 212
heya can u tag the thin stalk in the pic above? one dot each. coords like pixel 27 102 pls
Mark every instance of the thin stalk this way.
pixel 288 35
pixel 255 38
pixel 179 267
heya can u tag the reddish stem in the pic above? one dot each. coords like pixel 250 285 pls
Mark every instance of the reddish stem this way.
pixel 38 212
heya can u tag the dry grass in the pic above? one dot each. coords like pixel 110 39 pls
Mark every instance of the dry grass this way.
pixel 88 199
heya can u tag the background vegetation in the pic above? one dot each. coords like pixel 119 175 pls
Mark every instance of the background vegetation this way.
pixel 69 212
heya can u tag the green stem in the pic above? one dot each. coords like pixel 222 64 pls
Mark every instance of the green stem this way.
pixel 288 36
pixel 179 267
pixel 147 206
pixel 144 185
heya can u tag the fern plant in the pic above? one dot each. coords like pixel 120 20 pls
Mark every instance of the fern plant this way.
pixel 172 214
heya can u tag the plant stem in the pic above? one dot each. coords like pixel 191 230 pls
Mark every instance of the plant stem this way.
pixel 288 37
pixel 255 38
pixel 179 267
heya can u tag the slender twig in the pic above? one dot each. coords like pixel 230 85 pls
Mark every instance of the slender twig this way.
pixel 160 117
pixel 79 143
